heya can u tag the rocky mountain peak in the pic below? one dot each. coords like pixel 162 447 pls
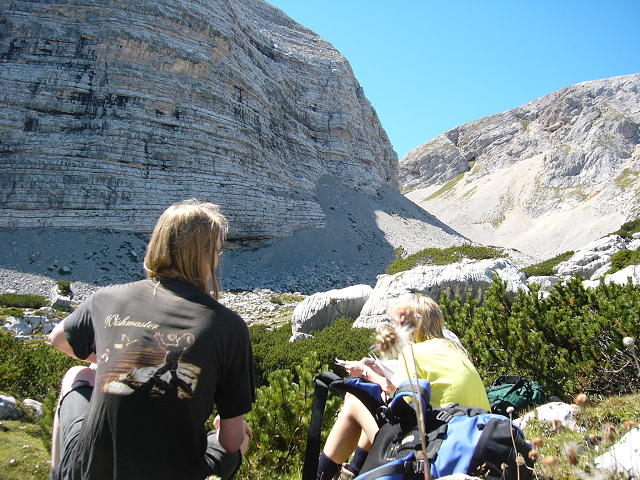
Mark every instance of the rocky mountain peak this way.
pixel 525 178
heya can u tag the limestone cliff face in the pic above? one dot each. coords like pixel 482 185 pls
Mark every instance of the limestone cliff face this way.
pixel 110 111
pixel 546 177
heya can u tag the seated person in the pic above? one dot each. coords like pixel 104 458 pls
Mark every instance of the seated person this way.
pixel 416 332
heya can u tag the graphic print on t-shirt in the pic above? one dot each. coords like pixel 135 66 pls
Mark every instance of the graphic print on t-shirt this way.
pixel 151 365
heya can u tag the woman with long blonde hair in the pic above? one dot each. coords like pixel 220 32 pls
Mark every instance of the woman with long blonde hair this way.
pixel 164 354
pixel 425 349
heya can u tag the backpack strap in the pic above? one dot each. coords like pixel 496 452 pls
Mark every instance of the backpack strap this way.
pixel 397 407
pixel 395 470
pixel 369 393
pixel 322 383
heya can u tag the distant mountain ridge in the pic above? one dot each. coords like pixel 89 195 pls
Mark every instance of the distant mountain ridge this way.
pixel 545 177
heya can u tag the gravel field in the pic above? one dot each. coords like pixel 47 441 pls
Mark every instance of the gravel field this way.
pixel 358 242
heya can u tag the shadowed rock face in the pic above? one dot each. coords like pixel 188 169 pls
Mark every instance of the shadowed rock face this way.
pixel 545 177
pixel 110 111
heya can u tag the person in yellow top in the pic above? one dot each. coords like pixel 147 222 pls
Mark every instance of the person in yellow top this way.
pixel 415 332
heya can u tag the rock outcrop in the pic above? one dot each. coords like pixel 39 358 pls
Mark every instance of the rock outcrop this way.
pixel 463 278
pixel 110 112
pixel 321 309
pixel 544 178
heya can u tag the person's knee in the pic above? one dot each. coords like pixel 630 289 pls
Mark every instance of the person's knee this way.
pixel 76 376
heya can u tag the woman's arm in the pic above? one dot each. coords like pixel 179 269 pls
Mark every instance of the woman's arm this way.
pixel 361 369
pixel 58 340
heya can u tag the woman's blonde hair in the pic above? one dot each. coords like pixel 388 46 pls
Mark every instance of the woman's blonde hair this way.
pixel 184 242
pixel 423 320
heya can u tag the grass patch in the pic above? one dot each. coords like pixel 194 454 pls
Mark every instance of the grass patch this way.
pixel 627 178
pixel 445 188
pixel 286 298
pixel 22 452
pixel 623 258
pixel 443 256
pixel 546 267
pixel 22 300
pixel 603 424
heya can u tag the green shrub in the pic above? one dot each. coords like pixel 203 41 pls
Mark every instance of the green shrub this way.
pixel 22 300
pixel 442 256
pixel 30 368
pixel 570 341
pixel 629 228
pixel 64 287
pixel 272 350
pixel 623 258
pixel 10 312
pixel 280 421
pixel 546 268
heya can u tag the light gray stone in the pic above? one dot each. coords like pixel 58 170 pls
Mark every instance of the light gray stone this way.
pixel 546 283
pixel 624 456
pixel 549 412
pixel 28 324
pixel 9 409
pixel 299 336
pixel 321 309
pixel 621 277
pixel 463 278
pixel 35 405
pixel 591 257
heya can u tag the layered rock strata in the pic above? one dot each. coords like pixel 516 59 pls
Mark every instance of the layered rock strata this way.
pixel 111 111
pixel 546 177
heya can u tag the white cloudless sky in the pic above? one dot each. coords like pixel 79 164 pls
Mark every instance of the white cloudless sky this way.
pixel 427 66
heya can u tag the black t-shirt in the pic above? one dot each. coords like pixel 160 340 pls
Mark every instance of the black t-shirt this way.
pixel 166 353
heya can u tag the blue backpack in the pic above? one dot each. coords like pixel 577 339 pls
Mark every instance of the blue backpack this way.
pixel 459 439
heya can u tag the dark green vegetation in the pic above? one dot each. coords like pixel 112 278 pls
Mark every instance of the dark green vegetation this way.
pixel 624 258
pixel 272 350
pixel 441 256
pixel 64 287
pixel 30 369
pixel 629 228
pixel 22 300
pixel 546 267
pixel 569 342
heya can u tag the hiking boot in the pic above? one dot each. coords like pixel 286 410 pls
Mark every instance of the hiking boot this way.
pixel 346 474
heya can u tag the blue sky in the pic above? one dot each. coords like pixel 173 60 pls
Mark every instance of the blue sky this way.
pixel 428 66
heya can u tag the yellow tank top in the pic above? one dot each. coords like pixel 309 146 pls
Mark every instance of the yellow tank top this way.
pixel 453 377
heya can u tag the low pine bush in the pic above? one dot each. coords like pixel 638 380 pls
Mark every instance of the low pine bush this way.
pixel 64 287
pixel 569 342
pixel 623 258
pixel 442 256
pixel 629 228
pixel 546 268
pixel 22 300
pixel 272 350
pixel 30 369
pixel 280 421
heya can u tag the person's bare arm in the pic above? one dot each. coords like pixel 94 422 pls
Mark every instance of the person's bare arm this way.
pixel 234 434
pixel 58 340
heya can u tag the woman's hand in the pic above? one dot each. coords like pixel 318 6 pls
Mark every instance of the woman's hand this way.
pixel 356 369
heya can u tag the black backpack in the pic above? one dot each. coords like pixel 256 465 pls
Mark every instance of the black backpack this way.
pixel 459 439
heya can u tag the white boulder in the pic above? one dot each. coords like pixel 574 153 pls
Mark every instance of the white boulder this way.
pixel 35 405
pixel 621 277
pixel 9 409
pixel 321 309
pixel 624 456
pixel 464 278
pixel 29 324
pixel 561 412
pixel 546 283
pixel 589 259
